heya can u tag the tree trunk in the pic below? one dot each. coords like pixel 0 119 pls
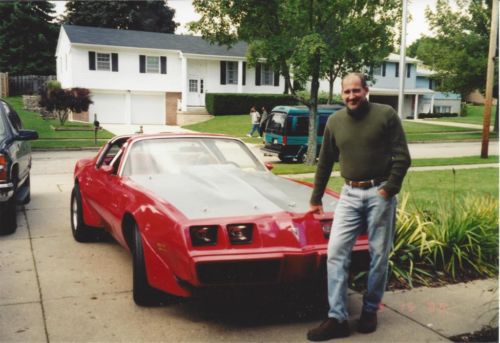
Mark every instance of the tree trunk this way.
pixel 286 74
pixel 313 113
pixel 331 79
pixel 495 127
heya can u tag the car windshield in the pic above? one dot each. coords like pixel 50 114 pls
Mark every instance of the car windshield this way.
pixel 172 155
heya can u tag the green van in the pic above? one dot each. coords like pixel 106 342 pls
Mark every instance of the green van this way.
pixel 287 128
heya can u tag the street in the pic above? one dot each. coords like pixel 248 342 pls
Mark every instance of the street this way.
pixel 54 289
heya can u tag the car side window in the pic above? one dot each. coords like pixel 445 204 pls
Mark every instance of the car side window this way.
pixel 13 117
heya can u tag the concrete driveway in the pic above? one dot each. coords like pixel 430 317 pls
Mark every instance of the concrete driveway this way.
pixel 53 289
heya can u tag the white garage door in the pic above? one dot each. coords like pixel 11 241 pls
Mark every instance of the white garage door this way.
pixel 148 109
pixel 110 108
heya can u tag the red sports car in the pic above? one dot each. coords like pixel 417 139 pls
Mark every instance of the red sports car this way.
pixel 197 211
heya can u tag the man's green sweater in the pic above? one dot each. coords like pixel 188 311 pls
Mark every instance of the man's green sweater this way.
pixel 369 145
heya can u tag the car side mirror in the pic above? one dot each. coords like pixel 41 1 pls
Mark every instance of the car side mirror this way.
pixel 27 135
pixel 107 169
pixel 269 165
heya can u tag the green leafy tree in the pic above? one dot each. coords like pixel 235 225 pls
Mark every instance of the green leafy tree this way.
pixel 459 48
pixel 308 39
pixel 28 38
pixel 154 16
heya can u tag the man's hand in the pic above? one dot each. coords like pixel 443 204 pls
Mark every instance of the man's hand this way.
pixel 317 209
pixel 383 193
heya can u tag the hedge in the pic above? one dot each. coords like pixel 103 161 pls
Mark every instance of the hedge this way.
pixel 437 115
pixel 238 103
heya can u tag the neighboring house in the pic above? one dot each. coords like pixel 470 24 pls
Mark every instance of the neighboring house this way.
pixel 138 77
pixel 419 94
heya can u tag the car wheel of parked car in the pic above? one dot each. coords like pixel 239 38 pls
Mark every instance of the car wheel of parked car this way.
pixel 81 232
pixel 144 294
pixel 8 217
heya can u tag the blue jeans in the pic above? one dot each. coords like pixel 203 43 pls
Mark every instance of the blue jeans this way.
pixel 359 208
pixel 255 127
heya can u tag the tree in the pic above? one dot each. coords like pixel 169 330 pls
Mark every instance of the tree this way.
pixel 28 38
pixel 154 16
pixel 304 38
pixel 61 101
pixel 458 51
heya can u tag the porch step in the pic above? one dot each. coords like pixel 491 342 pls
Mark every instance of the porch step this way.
pixel 193 115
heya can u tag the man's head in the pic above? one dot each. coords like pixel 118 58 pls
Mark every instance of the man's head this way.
pixel 354 90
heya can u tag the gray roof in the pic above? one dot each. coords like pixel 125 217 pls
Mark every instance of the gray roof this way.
pixel 150 40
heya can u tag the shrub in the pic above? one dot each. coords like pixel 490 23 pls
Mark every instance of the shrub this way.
pixel 61 101
pixel 236 103
pixel 436 115
pixel 457 239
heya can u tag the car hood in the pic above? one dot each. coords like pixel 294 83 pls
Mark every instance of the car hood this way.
pixel 225 191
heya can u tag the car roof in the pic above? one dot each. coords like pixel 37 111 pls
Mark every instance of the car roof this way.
pixel 304 110
pixel 143 136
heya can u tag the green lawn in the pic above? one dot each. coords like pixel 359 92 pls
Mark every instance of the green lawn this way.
pixel 239 125
pixel 300 168
pixel 50 138
pixel 426 187
pixel 474 115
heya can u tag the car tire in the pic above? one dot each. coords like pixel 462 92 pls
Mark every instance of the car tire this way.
pixel 143 293
pixel 8 217
pixel 81 232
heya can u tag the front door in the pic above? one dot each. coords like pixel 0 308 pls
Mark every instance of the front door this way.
pixel 196 92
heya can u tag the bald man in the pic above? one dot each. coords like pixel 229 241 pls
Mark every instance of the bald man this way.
pixel 369 142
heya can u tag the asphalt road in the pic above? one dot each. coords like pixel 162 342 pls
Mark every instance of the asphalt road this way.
pixel 53 289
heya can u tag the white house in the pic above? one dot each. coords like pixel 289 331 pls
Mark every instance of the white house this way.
pixel 419 93
pixel 138 77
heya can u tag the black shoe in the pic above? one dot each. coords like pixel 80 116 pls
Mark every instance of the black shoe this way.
pixel 367 322
pixel 330 328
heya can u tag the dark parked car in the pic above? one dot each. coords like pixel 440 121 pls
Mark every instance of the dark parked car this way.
pixel 15 165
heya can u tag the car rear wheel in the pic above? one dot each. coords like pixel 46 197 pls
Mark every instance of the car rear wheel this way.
pixel 81 232
pixel 8 217
pixel 144 294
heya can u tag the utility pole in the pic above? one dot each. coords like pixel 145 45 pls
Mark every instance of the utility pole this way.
pixel 402 64
pixel 489 80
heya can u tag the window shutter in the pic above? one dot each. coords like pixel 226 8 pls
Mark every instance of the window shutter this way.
pixel 163 64
pixel 408 70
pixel 430 83
pixel 244 73
pixel 114 62
pixel 277 78
pixel 222 72
pixel 142 63
pixel 257 74
pixel 91 60
pixel 397 69
pixel 383 69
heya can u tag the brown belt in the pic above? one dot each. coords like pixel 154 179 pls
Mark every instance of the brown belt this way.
pixel 365 183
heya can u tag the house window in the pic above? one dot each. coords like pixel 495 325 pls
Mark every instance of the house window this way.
pixel 267 75
pixel 377 70
pixel 232 73
pixel 103 61
pixel 152 64
pixel 193 86
pixel 442 109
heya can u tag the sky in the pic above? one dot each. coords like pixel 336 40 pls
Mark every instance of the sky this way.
pixel 185 13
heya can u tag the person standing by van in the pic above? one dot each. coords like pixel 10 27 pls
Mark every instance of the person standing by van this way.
pixel 374 158
pixel 263 120
pixel 255 118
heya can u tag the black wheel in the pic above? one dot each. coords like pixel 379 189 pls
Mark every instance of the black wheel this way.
pixel 81 232
pixel 144 294
pixel 8 217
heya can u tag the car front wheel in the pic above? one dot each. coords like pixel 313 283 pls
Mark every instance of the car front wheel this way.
pixel 143 293
pixel 81 232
